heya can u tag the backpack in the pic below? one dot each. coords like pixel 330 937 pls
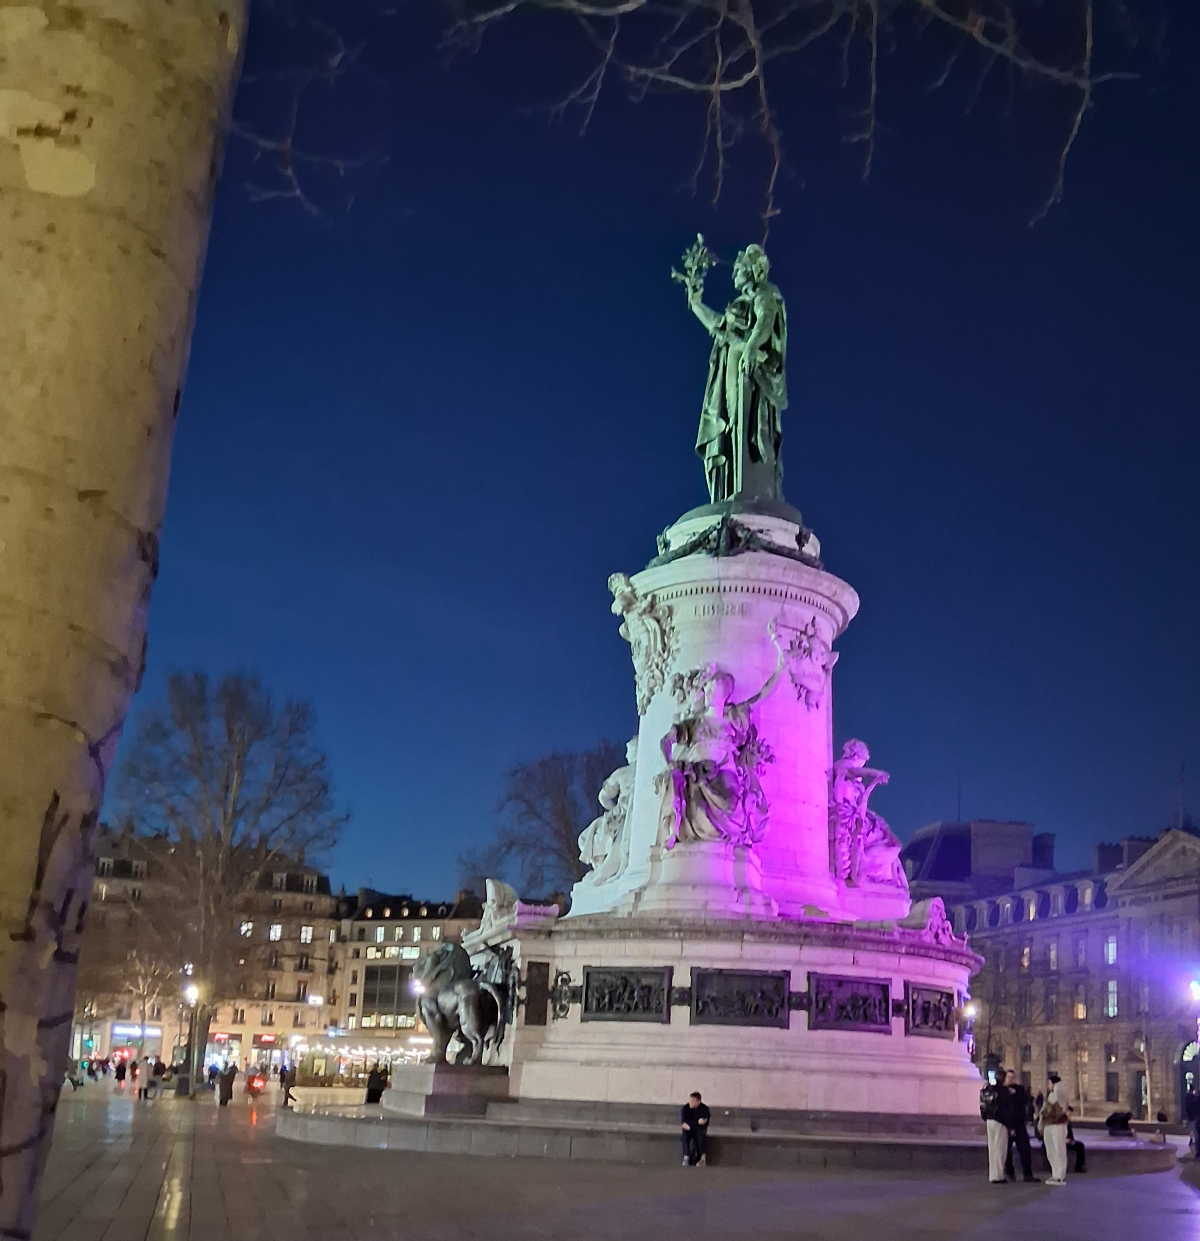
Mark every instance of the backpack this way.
pixel 989 1102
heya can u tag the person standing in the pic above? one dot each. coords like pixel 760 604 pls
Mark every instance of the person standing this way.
pixel 997 1134
pixel 1191 1114
pixel 119 1074
pixel 376 1084
pixel 694 1117
pixel 1054 1131
pixel 1014 1112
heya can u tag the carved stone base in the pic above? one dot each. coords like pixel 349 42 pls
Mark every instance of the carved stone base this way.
pixel 875 902
pixel 705 879
pixel 444 1089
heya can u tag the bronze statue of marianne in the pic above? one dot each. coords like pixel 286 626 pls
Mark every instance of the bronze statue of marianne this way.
pixel 739 433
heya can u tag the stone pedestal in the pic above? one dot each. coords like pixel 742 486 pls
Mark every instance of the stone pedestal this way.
pixel 444 1089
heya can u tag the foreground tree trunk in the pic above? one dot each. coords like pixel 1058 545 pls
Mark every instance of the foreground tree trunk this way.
pixel 111 119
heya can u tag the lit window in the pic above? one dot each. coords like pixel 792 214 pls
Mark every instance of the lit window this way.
pixel 239 1016
pixel 435 932
pixel 310 883
pixel 351 1021
pixel 369 1022
pixel 392 950
pixel 380 932
pixel 332 936
pixel 373 952
pixel 409 953
pixel 103 891
pixel 1110 998
pixel 268 1016
pixel 1110 950
pixel 1052 955
pixel 1026 956
pixel 276 932
pixel 280 880
pixel 416 934
pixel 1087 897
pixel 306 934
pixel 1080 1005
pixel 246 930
pixel 1031 909
pixel 398 932
pixel 1006 913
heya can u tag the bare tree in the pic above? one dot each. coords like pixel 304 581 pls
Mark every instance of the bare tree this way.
pixel 221 785
pixel 734 57
pixel 545 806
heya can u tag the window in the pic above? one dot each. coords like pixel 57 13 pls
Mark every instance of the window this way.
pixel 374 952
pixel 1080 952
pixel 1000 959
pixel 310 883
pixel 391 951
pixel 354 954
pixel 1023 1004
pixel 1026 956
pixel 1026 1079
pixel 308 907
pixel 380 932
pixel 246 929
pixel 416 935
pixel 398 932
pixel 239 1017
pixel 332 936
pixel 1079 1008
pixel 1110 950
pixel 409 953
pixel 1006 913
pixel 280 880
pixel 1051 1053
pixel 275 934
pixel 353 976
pixel 302 992
pixel 1112 1087
pixel 1056 902
pixel 303 963
pixel 1144 942
pixel 1110 1053
pixel 1110 998
pixel 361 934
pixel 1051 1005
pixel 1052 955
pixel 1144 999
pixel 1026 1053
pixel 135 895
pixel 435 932
pixel 104 866
pixel 273 959
pixel 104 891
pixel 369 1022
pixel 1087 897
pixel 353 999
pixel 306 933
pixel 351 1021
pixel 270 990
pixel 298 1019
pixel 268 1017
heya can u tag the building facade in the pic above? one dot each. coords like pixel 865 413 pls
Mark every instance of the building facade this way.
pixel 1091 974
pixel 289 930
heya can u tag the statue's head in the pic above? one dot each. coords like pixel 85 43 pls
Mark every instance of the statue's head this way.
pixel 718 688
pixel 631 747
pixel 750 267
pixel 447 964
pixel 855 752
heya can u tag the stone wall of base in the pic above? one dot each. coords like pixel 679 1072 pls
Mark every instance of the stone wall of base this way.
pixel 627 1145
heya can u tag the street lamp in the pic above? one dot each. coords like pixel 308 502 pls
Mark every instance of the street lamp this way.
pixel 191 993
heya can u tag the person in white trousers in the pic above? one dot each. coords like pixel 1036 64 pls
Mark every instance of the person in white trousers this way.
pixel 1054 1130
pixel 997 1132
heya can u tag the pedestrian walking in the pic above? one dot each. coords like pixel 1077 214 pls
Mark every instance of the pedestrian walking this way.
pixel 694 1118
pixel 997 1133
pixel 119 1074
pixel 225 1080
pixel 1014 1112
pixel 1054 1130
pixel 1191 1114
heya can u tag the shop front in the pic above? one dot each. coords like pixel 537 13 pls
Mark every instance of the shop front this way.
pixel 129 1040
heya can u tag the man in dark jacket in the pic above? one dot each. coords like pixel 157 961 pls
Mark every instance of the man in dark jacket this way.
pixel 1014 1111
pixel 694 1118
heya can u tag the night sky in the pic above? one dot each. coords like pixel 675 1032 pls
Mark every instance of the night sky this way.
pixel 418 435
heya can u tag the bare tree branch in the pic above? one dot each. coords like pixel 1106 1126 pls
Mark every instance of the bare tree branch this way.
pixel 733 53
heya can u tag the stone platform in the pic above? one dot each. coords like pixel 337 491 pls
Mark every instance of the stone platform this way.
pixel 444 1089
pixel 839 1142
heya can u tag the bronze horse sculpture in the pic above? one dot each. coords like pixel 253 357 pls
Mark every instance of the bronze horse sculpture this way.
pixel 452 1000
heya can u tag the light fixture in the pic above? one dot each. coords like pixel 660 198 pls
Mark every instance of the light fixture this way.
pixel 1194 987
pixel 191 993
pixel 316 1000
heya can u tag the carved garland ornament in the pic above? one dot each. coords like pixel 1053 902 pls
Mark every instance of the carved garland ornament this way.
pixel 649 628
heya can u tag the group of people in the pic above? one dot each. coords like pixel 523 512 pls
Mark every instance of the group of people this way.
pixel 1007 1108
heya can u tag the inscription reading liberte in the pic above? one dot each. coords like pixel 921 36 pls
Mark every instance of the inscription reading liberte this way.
pixel 719 609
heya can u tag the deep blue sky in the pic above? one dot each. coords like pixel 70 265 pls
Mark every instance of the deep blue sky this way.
pixel 417 437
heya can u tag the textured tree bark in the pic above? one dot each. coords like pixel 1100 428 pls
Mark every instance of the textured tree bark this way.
pixel 112 114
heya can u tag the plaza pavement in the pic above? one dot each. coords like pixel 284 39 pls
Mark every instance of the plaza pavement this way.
pixel 120 1170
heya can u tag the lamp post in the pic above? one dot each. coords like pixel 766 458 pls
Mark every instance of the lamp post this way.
pixel 186 1083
